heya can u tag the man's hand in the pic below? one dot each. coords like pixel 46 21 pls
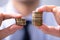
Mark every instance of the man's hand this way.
pixel 55 31
pixel 13 28
pixel 51 8
pixel 4 16
pixel 10 30
pixel 56 11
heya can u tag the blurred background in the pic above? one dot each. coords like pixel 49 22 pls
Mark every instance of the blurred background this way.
pixel 43 2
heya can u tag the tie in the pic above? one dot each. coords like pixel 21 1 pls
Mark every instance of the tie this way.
pixel 26 35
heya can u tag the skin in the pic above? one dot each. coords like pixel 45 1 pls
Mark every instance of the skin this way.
pixel 19 7
pixel 11 29
pixel 55 31
pixel 25 7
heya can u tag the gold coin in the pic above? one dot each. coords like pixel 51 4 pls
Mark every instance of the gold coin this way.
pixel 20 21
pixel 37 18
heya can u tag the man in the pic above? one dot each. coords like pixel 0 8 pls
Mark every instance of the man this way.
pixel 54 8
pixel 25 8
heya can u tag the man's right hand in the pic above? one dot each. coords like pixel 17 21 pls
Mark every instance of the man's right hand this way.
pixel 13 28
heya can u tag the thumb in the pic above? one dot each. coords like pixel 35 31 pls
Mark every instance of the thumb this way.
pixel 47 8
pixel 10 15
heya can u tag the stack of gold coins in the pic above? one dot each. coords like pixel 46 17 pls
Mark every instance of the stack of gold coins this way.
pixel 20 21
pixel 37 18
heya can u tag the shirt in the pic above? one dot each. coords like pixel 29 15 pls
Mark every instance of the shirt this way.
pixel 36 34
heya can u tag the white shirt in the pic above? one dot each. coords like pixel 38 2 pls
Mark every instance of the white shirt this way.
pixel 36 34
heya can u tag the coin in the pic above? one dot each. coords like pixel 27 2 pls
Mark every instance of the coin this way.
pixel 20 21
pixel 37 18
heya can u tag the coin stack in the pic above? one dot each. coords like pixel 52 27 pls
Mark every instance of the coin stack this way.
pixel 20 21
pixel 37 18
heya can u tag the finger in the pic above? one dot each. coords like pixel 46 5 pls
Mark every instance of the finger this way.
pixel 10 30
pixel 50 30
pixel 45 29
pixel 13 28
pixel 56 8
pixel 47 8
pixel 56 12
pixel 11 15
pixel 1 18
pixel 4 16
